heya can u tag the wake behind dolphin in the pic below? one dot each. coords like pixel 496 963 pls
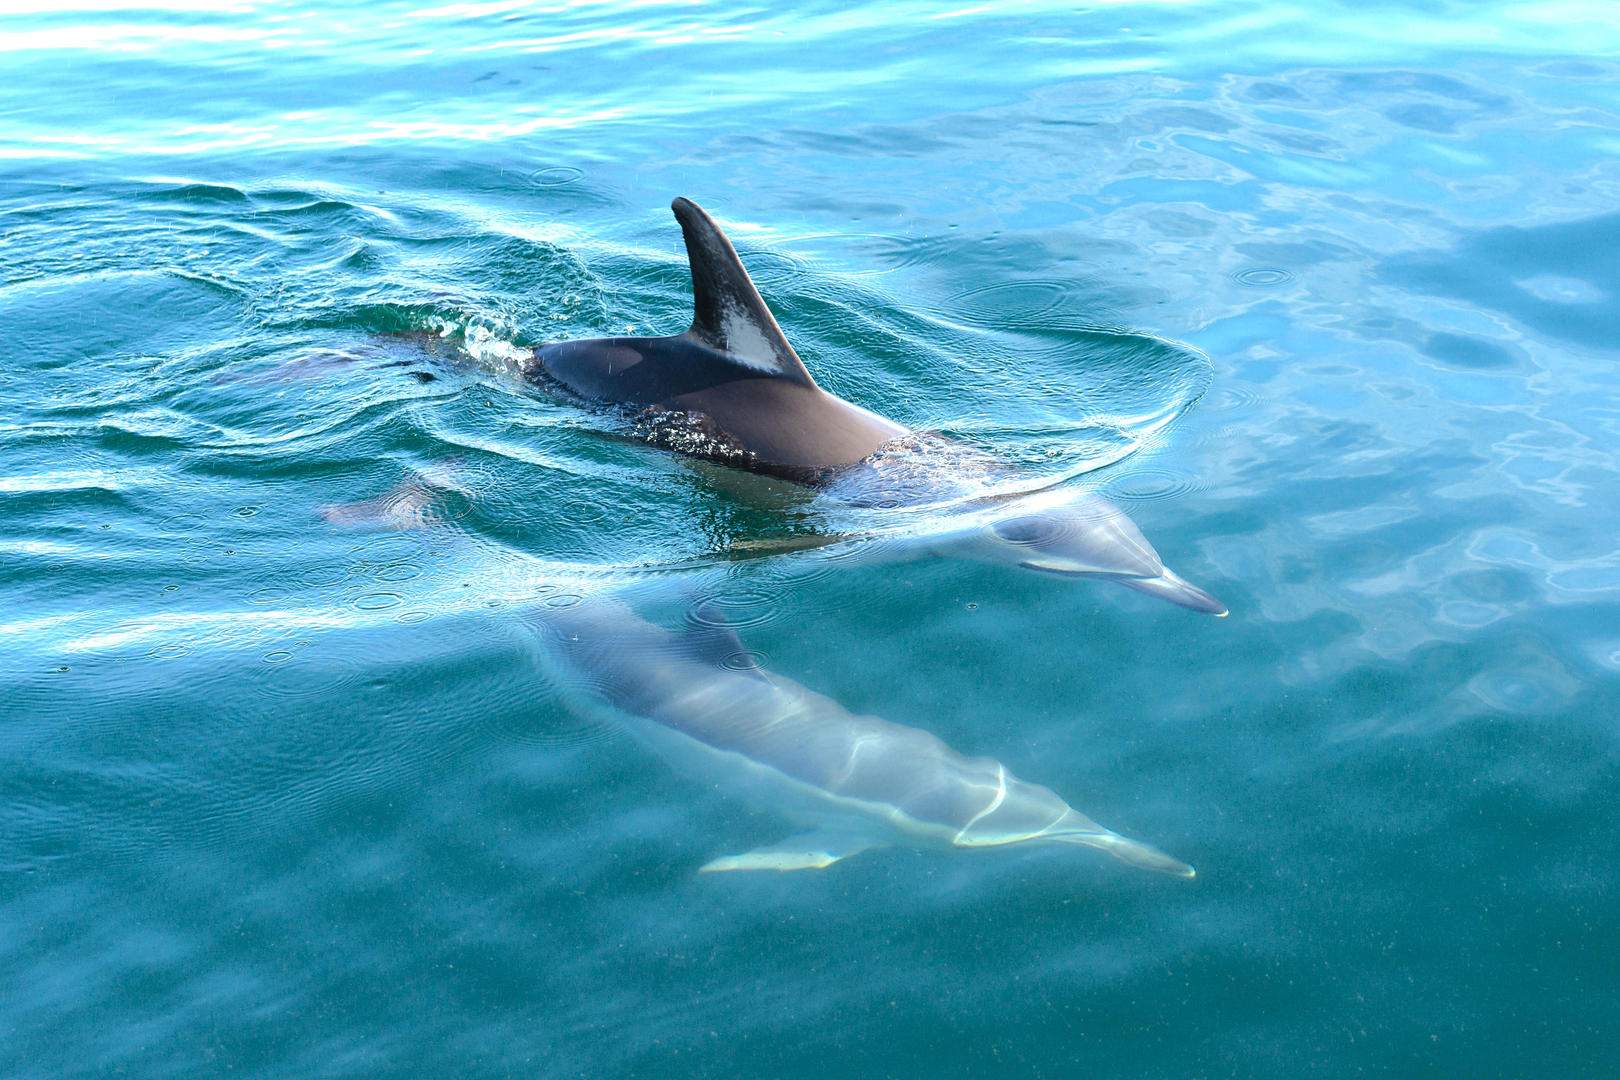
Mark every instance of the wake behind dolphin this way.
pixel 850 783
pixel 732 390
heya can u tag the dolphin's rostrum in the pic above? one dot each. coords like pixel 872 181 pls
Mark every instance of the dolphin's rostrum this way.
pixel 731 389
pixel 852 783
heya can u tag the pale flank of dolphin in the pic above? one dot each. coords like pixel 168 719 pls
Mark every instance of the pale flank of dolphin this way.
pixel 852 783
pixel 732 390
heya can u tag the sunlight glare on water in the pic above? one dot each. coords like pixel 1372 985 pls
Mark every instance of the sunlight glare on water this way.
pixel 1322 295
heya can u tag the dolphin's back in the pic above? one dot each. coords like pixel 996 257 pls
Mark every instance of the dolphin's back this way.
pixel 879 765
pixel 731 388
pixel 685 396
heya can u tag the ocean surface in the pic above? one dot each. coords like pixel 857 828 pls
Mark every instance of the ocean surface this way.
pixel 1325 295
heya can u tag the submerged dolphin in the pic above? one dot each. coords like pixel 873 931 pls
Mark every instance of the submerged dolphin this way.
pixel 732 390
pixel 854 783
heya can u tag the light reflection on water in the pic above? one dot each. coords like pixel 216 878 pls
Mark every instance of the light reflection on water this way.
pixel 289 795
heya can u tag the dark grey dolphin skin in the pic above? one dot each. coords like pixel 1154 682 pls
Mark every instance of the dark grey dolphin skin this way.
pixel 732 390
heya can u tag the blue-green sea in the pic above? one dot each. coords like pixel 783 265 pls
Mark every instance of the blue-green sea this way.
pixel 1324 295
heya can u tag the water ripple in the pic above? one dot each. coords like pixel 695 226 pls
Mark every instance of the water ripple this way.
pixel 282 517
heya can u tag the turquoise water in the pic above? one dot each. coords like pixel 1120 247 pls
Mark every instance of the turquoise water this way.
pixel 1324 295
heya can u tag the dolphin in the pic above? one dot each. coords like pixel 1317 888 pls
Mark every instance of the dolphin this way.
pixel 851 783
pixel 731 390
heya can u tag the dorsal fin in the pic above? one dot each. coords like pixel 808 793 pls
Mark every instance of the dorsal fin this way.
pixel 728 313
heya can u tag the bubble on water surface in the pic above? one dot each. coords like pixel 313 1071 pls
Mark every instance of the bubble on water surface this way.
pixel 324 577
pixel 1153 483
pixel 270 594
pixel 734 609
pixel 772 268
pixel 746 660
pixel 1262 277
pixel 388 548
pixel 182 524
pixel 1009 303
pixel 556 176
pixel 309 673
pixel 1229 397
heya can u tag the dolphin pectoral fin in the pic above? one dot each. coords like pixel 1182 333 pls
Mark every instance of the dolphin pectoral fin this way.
pixel 1168 586
pixel 807 851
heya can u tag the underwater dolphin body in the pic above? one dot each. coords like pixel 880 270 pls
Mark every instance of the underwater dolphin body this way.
pixel 730 389
pixel 852 783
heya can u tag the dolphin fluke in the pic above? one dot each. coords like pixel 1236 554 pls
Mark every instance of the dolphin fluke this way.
pixel 728 314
